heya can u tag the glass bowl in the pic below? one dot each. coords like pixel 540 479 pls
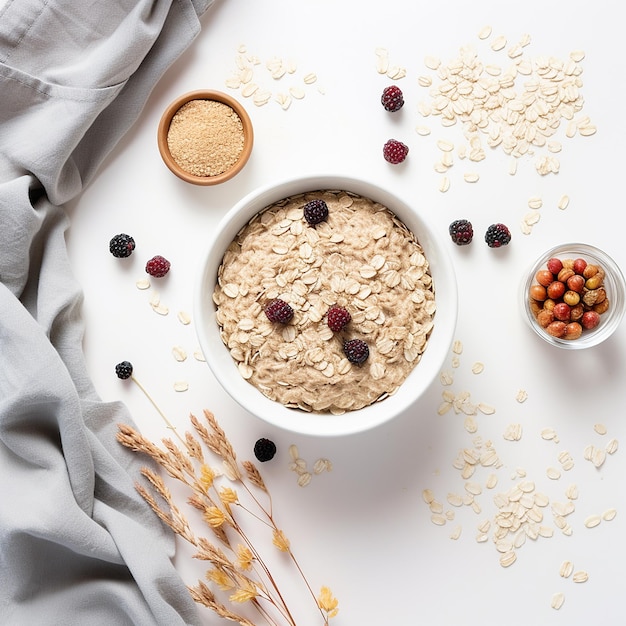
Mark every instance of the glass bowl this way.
pixel 219 141
pixel 593 295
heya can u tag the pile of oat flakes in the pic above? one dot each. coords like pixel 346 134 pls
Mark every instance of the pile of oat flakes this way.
pixel 521 512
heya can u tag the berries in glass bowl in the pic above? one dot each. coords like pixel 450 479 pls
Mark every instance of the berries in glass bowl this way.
pixel 574 296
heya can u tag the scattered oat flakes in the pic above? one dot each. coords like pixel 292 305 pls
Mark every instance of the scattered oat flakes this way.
pixel 470 424
pixel 432 62
pixel 558 599
pixel 161 309
pixel 454 499
pixel 513 432
pixel 611 447
pixel 382 60
pixel 428 496
pixel 498 43
pixel 444 407
pixel 598 457
pixel 296 92
pixel 580 576
pixel 600 429
pixel 446 378
pixel 566 460
pixel 184 318
pixel 567 567
pixel 478 367
pixel 181 385
pixel 456 533
pixel 563 202
pixel 592 521
pixel 395 72
pixel 553 473
pixel 492 481
pixel 471 177
pixel 248 79
pixel 304 479
pixel 508 558
pixel 547 165
pixel 549 434
pixel 142 284
pixel 438 519
pixel 609 515
pixel 198 355
pixel 322 465
pixel 179 353
pixel 522 396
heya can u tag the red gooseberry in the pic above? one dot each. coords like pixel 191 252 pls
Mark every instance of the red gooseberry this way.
pixel 590 319
pixel 554 265
pixel 556 289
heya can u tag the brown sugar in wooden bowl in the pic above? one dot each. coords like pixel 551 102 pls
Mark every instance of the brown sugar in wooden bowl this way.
pixel 205 137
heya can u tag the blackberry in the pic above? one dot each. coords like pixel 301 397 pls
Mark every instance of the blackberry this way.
pixel 461 232
pixel 124 370
pixel 264 449
pixel 315 211
pixel 278 311
pixel 337 317
pixel 158 266
pixel 392 99
pixel 497 235
pixel 356 351
pixel 121 246
pixel 395 151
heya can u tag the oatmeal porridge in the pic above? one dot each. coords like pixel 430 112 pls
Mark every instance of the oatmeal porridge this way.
pixel 360 257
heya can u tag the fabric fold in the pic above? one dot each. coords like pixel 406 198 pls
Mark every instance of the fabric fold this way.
pixel 78 545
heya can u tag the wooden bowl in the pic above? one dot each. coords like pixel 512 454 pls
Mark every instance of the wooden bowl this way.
pixel 164 127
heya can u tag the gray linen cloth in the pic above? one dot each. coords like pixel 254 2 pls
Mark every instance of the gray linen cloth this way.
pixel 77 544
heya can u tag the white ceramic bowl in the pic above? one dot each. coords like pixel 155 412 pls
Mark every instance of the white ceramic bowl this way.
pixel 321 424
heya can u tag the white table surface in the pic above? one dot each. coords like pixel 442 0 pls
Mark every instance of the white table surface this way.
pixel 364 529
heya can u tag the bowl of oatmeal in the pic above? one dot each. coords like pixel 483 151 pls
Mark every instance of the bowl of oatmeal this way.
pixel 325 305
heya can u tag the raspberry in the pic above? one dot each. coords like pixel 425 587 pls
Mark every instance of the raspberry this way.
pixel 337 317
pixel 121 246
pixel 158 266
pixel 315 211
pixel 278 311
pixel 461 232
pixel 497 235
pixel 356 351
pixel 395 151
pixel 392 98
pixel 124 370
pixel 264 450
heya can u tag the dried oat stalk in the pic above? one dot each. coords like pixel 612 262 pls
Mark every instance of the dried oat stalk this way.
pixel 236 570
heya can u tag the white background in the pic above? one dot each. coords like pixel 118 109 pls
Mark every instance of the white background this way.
pixel 363 529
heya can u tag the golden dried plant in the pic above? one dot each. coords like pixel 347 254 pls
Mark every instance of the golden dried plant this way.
pixel 236 570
